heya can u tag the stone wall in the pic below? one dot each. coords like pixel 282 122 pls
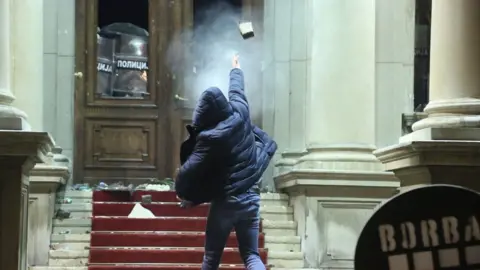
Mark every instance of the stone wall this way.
pixel 286 60
pixel 58 64
pixel 395 37
pixel 342 72
pixel 287 80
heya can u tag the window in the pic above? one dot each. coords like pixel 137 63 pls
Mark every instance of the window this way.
pixel 422 53
pixel 122 49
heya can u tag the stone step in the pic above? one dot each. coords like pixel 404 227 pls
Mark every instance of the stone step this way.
pixel 86 268
pixel 276 268
pixel 276 212
pixel 72 226
pixel 269 211
pixel 68 257
pixel 58 268
pixel 77 210
pixel 82 241
pixel 277 244
pixel 274 196
pixel 285 259
pixel 279 228
pixel 80 262
pixel 283 243
pixel 73 222
pixel 70 246
pixel 278 199
pixel 79 194
pixel 68 254
pixel 71 230
pixel 75 207
pixel 70 238
pixel 74 200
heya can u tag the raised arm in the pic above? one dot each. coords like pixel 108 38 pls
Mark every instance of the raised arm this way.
pixel 236 91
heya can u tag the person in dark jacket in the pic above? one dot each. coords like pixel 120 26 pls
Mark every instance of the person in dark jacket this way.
pixel 222 163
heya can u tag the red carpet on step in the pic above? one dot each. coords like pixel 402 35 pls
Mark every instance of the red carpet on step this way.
pixel 171 241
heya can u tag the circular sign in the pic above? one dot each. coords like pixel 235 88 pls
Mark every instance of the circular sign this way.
pixel 432 227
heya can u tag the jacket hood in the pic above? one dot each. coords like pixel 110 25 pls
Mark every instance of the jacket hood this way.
pixel 212 108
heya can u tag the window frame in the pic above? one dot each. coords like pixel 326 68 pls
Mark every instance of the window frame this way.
pixel 86 57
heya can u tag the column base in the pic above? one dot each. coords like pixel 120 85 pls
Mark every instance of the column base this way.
pixel 435 156
pixel 450 113
pixel 11 118
pixel 14 123
pixel 349 157
pixel 288 159
pixel 333 190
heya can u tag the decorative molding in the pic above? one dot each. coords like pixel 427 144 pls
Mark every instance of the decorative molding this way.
pixel 434 162
pixel 42 169
pixel 441 152
pixel 48 178
pixel 328 183
pixel 32 200
pixel 26 143
pixel 340 205
pixel 357 204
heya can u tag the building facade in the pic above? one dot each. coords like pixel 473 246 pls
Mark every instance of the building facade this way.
pixel 331 84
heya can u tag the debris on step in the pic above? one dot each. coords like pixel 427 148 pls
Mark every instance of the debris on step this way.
pixel 186 204
pixel 81 187
pixel 146 198
pixel 139 211
pixel 62 214
pixel 141 187
pixel 65 201
pixel 119 186
pixel 65 232
pixel 166 184
pixel 101 186
pixel 158 187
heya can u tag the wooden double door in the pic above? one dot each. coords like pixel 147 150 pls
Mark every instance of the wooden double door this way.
pixel 129 129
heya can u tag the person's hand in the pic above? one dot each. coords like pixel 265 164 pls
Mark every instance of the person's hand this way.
pixel 235 61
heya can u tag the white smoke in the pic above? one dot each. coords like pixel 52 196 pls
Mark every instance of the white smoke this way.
pixel 215 40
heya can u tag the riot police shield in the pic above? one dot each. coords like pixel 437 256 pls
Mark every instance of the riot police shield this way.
pixel 131 60
pixel 105 49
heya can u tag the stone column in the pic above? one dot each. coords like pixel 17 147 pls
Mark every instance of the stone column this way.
pixel 444 146
pixel 340 118
pixel 454 66
pixel 336 183
pixel 10 117
pixel 27 47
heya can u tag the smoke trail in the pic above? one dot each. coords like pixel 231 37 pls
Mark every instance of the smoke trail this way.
pixel 215 39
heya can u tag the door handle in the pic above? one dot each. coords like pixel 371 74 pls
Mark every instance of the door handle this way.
pixel 177 97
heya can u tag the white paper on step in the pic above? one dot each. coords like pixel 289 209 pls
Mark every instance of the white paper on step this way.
pixel 139 211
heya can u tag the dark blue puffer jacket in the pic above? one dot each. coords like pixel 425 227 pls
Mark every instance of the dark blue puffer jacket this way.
pixel 225 154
